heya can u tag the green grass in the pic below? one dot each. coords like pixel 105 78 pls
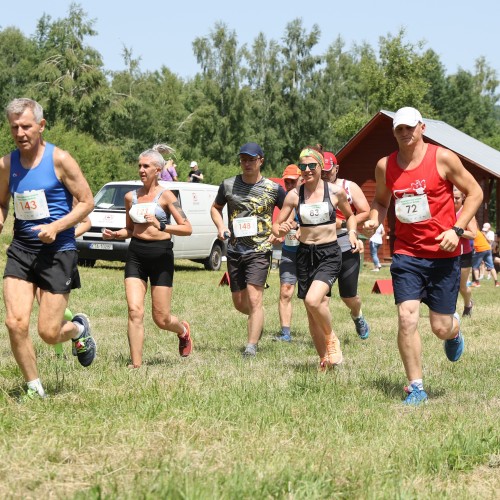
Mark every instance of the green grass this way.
pixel 217 426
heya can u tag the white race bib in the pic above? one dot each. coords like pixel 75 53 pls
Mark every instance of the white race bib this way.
pixel 31 205
pixel 291 238
pixel 413 209
pixel 245 226
pixel 314 213
pixel 139 210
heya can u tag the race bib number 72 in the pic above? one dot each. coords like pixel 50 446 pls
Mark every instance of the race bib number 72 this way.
pixel 413 209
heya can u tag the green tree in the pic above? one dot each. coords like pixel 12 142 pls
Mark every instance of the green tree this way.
pixel 404 69
pixel 72 84
pixel 217 107
pixel 17 58
pixel 470 99
pixel 267 118
pixel 300 85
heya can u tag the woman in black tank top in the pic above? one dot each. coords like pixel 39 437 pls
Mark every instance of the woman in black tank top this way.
pixel 318 256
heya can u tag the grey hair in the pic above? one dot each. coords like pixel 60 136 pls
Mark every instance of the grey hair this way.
pixel 20 105
pixel 163 148
pixel 155 156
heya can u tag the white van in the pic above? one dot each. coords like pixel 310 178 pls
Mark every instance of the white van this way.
pixel 109 212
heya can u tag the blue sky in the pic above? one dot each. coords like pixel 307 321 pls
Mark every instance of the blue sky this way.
pixel 161 32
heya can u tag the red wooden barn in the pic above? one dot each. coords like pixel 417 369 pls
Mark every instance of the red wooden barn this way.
pixel 357 160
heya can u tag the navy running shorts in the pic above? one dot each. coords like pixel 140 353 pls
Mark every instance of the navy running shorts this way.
pixel 434 282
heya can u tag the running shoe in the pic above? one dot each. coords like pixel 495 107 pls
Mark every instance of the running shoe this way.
pixel 250 351
pixel 362 328
pixel 333 351
pixel 454 347
pixel 468 309
pixel 84 347
pixel 185 342
pixel 415 396
pixel 31 395
pixel 283 337
pixel 323 365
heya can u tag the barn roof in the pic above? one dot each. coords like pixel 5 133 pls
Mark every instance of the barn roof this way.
pixel 438 132
pixel 464 145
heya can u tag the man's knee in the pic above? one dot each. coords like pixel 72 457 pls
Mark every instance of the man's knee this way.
pixel 17 326
pixel 286 291
pixel 50 335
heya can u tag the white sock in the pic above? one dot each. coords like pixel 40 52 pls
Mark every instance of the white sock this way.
pixel 80 328
pixel 418 382
pixel 36 385
pixel 359 315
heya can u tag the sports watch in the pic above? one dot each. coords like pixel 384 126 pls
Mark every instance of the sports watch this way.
pixel 458 230
pixel 163 226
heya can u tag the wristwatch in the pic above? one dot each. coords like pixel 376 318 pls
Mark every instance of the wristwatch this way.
pixel 458 230
pixel 343 224
pixel 163 226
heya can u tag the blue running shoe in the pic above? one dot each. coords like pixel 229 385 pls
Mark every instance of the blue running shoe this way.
pixel 455 347
pixel 362 328
pixel 84 347
pixel 283 337
pixel 416 396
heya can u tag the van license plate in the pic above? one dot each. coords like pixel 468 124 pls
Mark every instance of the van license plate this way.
pixel 101 246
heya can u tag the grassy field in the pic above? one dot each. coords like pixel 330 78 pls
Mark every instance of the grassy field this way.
pixel 217 426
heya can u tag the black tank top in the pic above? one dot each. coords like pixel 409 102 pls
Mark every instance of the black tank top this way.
pixel 326 198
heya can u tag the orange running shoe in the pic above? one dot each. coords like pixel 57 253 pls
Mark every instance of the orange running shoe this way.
pixel 185 343
pixel 333 351
pixel 324 365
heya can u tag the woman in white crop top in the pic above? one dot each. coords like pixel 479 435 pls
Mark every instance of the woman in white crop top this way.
pixel 150 256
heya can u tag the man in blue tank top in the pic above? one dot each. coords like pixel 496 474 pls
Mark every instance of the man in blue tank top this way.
pixel 42 180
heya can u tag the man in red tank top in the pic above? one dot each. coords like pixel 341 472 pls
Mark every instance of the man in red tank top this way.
pixel 425 266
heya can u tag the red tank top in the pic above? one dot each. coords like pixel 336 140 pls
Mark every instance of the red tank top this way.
pixel 346 187
pixel 417 239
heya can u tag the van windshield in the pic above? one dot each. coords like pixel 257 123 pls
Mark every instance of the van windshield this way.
pixel 112 197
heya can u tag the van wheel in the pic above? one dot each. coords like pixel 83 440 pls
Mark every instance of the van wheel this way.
pixel 86 262
pixel 213 261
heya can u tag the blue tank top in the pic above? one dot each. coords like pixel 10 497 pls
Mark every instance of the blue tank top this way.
pixel 59 202
pixel 160 214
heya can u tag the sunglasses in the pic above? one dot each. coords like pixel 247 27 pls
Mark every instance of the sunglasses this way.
pixel 303 166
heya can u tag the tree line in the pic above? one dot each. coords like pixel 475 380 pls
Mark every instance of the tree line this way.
pixel 277 93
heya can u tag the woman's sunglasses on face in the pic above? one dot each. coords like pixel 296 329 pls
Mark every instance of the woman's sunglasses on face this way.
pixel 303 166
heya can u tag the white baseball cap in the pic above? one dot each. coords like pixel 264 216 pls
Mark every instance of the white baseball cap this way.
pixel 407 116
pixel 193 164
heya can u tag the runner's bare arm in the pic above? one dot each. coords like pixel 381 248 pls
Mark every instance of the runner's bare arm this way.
pixel 4 189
